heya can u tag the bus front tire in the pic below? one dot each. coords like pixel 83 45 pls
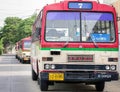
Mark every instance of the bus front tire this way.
pixel 34 75
pixel 43 85
pixel 100 86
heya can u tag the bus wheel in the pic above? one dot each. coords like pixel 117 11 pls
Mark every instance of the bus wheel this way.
pixel 43 85
pixel 34 75
pixel 100 86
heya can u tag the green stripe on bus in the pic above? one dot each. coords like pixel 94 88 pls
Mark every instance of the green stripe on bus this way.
pixel 82 49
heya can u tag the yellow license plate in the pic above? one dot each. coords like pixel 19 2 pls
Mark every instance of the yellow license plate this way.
pixel 56 76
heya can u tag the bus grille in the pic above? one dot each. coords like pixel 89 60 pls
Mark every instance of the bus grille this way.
pixel 78 75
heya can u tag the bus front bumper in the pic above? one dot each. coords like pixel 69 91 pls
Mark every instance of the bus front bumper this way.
pixel 79 76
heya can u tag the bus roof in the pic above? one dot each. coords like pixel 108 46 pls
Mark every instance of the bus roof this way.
pixel 64 5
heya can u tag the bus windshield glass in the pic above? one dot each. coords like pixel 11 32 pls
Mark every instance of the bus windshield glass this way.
pixel 79 27
pixel 27 45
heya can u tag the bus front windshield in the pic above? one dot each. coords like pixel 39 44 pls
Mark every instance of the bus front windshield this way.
pixel 79 27
pixel 27 45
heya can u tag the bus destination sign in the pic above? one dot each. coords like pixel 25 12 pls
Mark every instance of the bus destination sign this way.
pixel 80 5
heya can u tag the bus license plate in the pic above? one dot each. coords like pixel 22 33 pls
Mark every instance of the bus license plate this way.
pixel 56 76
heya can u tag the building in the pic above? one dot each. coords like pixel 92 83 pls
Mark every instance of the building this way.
pixel 117 7
pixel 109 1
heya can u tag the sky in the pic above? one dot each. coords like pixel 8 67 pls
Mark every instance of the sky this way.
pixel 22 8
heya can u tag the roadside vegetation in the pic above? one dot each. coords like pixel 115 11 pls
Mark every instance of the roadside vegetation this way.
pixel 13 30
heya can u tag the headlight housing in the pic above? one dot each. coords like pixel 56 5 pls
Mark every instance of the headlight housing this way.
pixel 49 66
pixel 107 67
pixel 52 66
pixel 113 67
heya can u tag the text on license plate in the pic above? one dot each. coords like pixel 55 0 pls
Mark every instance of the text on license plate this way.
pixel 56 76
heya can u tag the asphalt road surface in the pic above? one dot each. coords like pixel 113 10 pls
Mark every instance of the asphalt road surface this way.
pixel 16 77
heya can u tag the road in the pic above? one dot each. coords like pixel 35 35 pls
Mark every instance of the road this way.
pixel 16 77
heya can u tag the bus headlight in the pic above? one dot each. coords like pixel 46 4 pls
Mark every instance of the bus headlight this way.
pixel 52 66
pixel 107 67
pixel 47 66
pixel 113 67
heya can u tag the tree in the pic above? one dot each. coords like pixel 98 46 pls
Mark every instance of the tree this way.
pixel 25 27
pixel 1 46
pixel 10 30
pixel 15 29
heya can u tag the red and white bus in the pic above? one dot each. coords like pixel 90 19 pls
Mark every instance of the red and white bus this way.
pixel 23 50
pixel 75 41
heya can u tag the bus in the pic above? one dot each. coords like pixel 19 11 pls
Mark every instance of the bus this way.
pixel 75 41
pixel 23 52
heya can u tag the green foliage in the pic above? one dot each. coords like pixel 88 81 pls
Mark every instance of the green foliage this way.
pixel 15 29
pixel 25 27
pixel 1 46
pixel 10 29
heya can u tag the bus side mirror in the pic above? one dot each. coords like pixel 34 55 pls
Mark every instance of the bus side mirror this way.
pixel 38 30
pixel 118 18
pixel 20 46
pixel 38 33
pixel 16 48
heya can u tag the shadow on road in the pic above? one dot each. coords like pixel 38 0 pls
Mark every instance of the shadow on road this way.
pixel 65 87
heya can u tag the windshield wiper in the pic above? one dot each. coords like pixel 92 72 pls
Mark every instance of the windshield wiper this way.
pixel 66 44
pixel 95 44
pixel 86 30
